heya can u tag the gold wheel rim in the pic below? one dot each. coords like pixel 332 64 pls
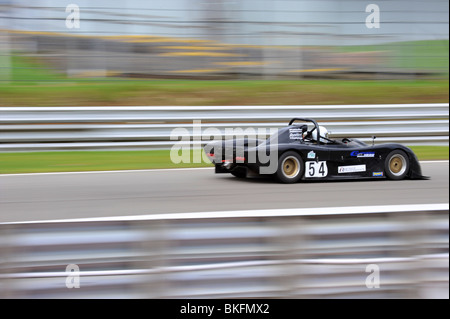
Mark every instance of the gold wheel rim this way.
pixel 290 167
pixel 397 165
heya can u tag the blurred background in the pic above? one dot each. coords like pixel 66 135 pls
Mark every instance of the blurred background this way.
pixel 224 39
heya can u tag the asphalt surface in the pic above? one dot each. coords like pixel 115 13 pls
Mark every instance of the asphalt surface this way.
pixel 27 197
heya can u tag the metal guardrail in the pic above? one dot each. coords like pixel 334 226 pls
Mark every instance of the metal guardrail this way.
pixel 293 253
pixel 59 128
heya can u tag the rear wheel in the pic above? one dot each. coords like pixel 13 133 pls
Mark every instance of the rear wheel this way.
pixel 397 165
pixel 290 167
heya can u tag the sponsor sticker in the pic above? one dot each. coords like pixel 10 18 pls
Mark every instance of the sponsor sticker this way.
pixel 351 169
pixel 377 174
pixel 312 155
pixel 362 154
pixel 295 133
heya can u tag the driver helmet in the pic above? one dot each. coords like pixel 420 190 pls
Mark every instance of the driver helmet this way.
pixel 323 134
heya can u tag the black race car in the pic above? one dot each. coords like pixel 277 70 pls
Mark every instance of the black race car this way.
pixel 296 153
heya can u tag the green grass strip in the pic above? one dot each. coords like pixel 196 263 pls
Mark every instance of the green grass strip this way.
pixel 198 93
pixel 33 83
pixel 427 153
pixel 39 162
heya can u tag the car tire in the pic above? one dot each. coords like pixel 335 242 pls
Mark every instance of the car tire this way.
pixel 290 168
pixel 397 165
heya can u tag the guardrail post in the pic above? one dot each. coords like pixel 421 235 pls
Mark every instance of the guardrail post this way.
pixel 5 253
pixel 154 258
pixel 292 244
pixel 416 235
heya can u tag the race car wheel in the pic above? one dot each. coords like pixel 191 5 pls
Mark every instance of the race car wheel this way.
pixel 397 165
pixel 290 167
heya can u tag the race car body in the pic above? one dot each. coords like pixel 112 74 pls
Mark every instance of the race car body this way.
pixel 295 153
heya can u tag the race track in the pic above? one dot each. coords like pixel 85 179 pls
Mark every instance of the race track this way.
pixel 26 197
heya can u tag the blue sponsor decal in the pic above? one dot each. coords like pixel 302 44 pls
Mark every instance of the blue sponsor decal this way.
pixel 312 155
pixel 377 174
pixel 362 154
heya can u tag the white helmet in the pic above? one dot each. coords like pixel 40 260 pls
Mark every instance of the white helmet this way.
pixel 323 134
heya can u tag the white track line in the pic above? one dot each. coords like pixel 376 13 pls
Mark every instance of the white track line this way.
pixel 317 211
pixel 118 171
pixel 432 162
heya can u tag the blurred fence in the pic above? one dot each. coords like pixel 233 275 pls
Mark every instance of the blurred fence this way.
pixel 227 39
pixel 84 128
pixel 336 252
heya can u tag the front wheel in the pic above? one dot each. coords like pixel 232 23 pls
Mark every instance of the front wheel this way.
pixel 397 165
pixel 290 168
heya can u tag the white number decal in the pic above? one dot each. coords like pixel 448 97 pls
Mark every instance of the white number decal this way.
pixel 316 169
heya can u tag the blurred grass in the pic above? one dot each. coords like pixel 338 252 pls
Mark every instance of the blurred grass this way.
pixel 250 92
pixel 29 70
pixel 38 162
pixel 33 84
pixel 428 55
pixel 425 153
pixel 75 161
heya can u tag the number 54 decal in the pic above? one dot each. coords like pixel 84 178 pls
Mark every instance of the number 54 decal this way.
pixel 316 169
